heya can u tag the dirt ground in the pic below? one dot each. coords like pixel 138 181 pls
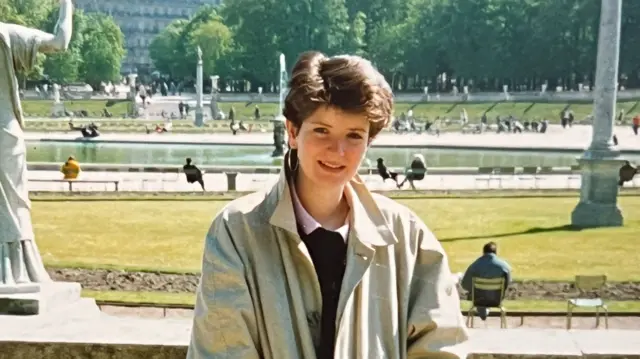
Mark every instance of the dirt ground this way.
pixel 102 279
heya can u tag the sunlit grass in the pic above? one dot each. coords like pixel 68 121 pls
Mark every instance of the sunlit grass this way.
pixel 524 110
pixel 168 235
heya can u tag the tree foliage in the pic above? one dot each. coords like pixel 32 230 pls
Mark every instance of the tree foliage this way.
pixel 95 52
pixel 480 43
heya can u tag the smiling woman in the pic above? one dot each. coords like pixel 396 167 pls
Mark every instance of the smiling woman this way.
pixel 318 266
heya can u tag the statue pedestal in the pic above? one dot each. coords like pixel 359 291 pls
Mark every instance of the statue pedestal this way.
pixel 598 205
pixel 199 118
pixel 57 110
pixel 51 297
pixel 279 136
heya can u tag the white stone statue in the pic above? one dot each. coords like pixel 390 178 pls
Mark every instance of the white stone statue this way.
pixel 21 268
pixel 56 93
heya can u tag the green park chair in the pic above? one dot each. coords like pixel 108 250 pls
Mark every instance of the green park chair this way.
pixel 487 293
pixel 589 283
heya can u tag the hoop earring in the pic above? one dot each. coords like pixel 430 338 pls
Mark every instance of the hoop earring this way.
pixel 293 153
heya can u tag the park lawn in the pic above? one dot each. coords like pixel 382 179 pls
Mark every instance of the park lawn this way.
pixel 132 126
pixel 169 235
pixel 42 108
pixel 524 110
pixel 165 298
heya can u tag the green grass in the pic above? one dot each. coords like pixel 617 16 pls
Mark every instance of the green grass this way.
pixel 42 108
pixel 168 236
pixel 161 298
pixel 133 126
pixel 525 110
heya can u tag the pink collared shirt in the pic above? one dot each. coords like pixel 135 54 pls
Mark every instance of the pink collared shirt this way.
pixel 308 223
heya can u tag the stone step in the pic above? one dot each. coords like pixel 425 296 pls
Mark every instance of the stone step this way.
pixel 53 297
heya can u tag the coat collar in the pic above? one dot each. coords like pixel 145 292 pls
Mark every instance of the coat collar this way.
pixel 367 221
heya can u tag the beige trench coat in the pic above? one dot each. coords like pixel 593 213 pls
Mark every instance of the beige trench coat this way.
pixel 259 296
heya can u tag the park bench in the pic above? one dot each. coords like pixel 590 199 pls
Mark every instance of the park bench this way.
pixel 485 174
pixel 499 174
pixel 575 174
pixel 529 173
pixel 116 183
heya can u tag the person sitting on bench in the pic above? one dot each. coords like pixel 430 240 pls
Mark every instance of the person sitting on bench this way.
pixel 193 173
pixel 627 172
pixel 88 131
pixel 168 125
pixel 416 172
pixel 70 169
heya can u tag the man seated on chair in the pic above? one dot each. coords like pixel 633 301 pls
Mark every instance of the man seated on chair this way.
pixel 488 266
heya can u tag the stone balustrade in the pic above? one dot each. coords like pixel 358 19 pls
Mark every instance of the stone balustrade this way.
pixel 449 171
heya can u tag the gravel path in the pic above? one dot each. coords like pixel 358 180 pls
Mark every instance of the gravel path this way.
pixel 102 279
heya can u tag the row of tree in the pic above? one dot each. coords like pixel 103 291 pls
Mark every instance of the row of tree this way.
pixel 481 43
pixel 95 52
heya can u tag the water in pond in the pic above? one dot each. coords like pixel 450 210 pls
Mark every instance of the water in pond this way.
pixel 162 154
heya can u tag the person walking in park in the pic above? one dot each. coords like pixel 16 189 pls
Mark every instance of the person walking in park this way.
pixel 318 266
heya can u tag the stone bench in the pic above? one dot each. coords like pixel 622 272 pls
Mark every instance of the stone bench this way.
pixel 116 183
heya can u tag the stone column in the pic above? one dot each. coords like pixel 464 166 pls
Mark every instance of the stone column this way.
pixel 213 105
pixel 279 128
pixel 199 78
pixel 133 90
pixel 601 162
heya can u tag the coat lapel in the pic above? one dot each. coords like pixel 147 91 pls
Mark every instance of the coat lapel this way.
pixel 369 230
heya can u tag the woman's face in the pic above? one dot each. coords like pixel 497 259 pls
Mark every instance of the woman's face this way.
pixel 331 144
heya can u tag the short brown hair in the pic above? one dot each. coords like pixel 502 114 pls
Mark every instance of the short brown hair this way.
pixel 490 247
pixel 349 83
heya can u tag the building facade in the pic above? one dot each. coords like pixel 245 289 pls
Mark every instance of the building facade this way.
pixel 140 21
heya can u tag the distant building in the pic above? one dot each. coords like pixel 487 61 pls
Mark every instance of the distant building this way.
pixel 140 21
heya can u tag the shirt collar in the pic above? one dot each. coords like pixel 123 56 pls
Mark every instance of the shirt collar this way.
pixel 307 222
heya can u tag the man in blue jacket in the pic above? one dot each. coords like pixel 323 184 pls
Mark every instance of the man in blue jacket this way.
pixel 488 266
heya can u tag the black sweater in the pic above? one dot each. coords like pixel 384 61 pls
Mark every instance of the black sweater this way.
pixel 328 251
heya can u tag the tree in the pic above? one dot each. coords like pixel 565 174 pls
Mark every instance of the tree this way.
pixel 265 28
pixel 355 41
pixel 63 67
pixel 164 48
pixel 102 51
pixel 215 40
pixel 31 13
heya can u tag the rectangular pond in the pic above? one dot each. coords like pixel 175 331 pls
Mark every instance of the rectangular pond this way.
pixel 221 155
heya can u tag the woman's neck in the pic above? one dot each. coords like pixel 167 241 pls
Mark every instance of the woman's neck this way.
pixel 327 207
